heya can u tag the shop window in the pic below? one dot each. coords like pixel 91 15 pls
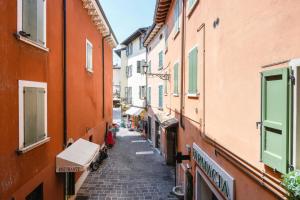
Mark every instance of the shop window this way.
pixel 32 20
pixel 275 114
pixel 32 113
pixel 193 71
pixel 89 56
pixel 36 194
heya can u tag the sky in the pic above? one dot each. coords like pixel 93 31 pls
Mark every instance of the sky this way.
pixel 126 16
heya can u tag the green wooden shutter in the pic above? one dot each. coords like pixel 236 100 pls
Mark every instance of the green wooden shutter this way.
pixel 161 62
pixel 176 78
pixel 149 95
pixel 275 118
pixel 29 18
pixel 193 62
pixel 149 69
pixel 34 115
pixel 160 96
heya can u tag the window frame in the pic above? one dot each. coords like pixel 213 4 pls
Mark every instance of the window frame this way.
pixel 160 65
pixel 20 26
pixel 22 85
pixel 86 56
pixel 176 93
pixel 176 18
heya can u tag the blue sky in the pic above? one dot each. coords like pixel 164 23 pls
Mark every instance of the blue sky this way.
pixel 125 16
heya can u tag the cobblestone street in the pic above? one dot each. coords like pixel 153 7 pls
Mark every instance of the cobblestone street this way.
pixel 131 172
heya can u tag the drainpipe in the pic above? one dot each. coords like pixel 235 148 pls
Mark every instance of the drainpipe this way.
pixel 103 74
pixel 182 65
pixel 65 119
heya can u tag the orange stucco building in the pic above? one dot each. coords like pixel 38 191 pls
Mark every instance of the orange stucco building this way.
pixel 52 90
pixel 227 54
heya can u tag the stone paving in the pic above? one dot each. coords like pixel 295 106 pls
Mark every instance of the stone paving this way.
pixel 125 175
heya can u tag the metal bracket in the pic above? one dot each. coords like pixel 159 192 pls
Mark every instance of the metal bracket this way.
pixel 161 76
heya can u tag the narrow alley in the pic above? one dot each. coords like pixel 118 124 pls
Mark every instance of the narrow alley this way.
pixel 133 170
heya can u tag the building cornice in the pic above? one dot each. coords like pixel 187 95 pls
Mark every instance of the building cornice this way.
pixel 100 21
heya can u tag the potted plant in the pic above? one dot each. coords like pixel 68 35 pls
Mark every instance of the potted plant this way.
pixel 291 182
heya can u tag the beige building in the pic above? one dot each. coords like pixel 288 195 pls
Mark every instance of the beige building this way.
pixel 229 89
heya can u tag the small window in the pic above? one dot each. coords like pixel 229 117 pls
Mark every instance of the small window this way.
pixel 193 62
pixel 142 92
pixel 161 60
pixel 36 194
pixel 32 20
pixel 32 113
pixel 139 67
pixel 129 71
pixel 141 42
pixel 89 56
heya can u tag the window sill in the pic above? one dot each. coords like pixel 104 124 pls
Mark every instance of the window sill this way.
pixel 89 70
pixel 191 10
pixel 176 95
pixel 33 146
pixel 32 43
pixel 176 34
pixel 193 95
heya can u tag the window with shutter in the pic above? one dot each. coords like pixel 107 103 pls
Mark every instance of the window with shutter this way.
pixel 32 20
pixel 276 97
pixel 176 16
pixel 149 95
pixel 138 70
pixel 149 68
pixel 161 61
pixel 160 96
pixel 193 62
pixel 32 113
pixel 176 79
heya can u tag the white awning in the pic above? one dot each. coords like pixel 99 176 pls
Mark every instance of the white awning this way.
pixel 165 120
pixel 77 157
pixel 134 111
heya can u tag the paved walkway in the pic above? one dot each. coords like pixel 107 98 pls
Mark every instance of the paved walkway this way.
pixel 130 176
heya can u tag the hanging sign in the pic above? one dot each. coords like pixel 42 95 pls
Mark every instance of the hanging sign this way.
pixel 218 176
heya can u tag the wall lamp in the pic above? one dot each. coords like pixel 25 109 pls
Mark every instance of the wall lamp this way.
pixel 161 76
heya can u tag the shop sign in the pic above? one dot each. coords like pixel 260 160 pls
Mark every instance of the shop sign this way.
pixel 218 176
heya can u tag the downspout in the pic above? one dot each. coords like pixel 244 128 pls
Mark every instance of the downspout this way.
pixel 103 85
pixel 103 74
pixel 65 115
pixel 182 65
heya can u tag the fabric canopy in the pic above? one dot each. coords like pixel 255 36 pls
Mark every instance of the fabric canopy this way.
pixel 134 111
pixel 77 157
pixel 165 120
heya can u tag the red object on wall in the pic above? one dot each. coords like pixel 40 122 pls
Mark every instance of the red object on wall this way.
pixel 110 139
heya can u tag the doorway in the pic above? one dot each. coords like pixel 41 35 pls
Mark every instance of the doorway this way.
pixel 157 135
pixel 149 129
pixel 204 189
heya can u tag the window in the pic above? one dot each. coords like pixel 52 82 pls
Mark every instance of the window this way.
pixel 139 67
pixel 129 49
pixel 130 95
pixel 32 20
pixel 149 68
pixel 32 114
pixel 275 132
pixel 176 16
pixel 149 95
pixel 161 60
pixel 129 71
pixel 176 79
pixel 36 194
pixel 142 92
pixel 193 62
pixel 141 42
pixel 89 56
pixel 160 96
